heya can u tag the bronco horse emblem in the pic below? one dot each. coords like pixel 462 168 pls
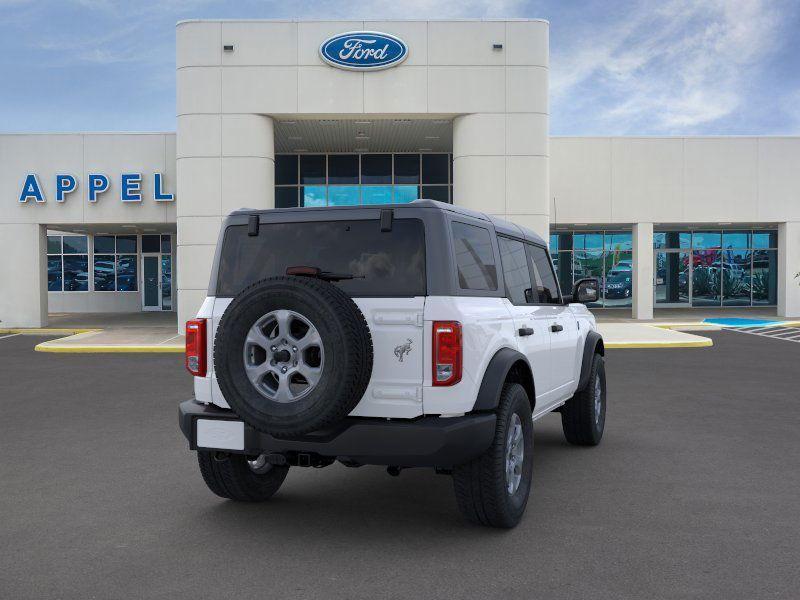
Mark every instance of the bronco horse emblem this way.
pixel 403 349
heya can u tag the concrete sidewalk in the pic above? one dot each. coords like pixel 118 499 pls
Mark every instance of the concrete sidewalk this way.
pixel 129 339
pixel 108 332
pixel 640 335
pixel 157 333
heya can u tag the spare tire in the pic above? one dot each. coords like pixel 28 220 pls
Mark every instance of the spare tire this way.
pixel 292 355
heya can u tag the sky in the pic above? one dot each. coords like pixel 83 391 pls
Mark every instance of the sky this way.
pixel 638 67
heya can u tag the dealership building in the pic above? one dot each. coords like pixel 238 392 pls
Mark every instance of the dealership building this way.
pixel 275 114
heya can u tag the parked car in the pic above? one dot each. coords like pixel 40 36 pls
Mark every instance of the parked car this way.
pixel 417 335
pixel 618 283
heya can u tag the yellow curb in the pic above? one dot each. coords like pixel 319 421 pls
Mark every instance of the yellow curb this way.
pixel 704 343
pixel 74 349
pixel 46 331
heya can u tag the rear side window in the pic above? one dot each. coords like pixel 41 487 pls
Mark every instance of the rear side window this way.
pixel 384 263
pixel 515 271
pixel 546 285
pixel 474 257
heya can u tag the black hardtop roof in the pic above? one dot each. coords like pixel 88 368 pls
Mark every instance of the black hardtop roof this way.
pixel 500 225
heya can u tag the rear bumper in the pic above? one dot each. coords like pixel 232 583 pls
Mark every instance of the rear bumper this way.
pixel 424 442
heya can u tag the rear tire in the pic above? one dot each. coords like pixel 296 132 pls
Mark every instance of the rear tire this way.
pixel 231 476
pixel 583 417
pixel 486 492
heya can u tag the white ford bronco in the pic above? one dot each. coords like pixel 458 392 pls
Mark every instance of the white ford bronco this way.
pixel 414 335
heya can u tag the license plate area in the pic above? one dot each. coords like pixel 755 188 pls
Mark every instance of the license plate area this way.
pixel 219 434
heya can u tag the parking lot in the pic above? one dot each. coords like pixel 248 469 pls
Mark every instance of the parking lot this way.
pixel 694 493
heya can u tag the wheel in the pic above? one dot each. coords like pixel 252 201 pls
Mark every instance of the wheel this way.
pixel 239 477
pixel 493 489
pixel 583 417
pixel 292 355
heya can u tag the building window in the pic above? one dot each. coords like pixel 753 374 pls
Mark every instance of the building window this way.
pixel 115 263
pixel 67 263
pixel 716 268
pixel 606 255
pixel 361 179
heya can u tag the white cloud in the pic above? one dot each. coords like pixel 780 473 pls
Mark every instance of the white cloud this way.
pixel 670 68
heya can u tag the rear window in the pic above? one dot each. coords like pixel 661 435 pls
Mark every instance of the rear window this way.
pixel 387 263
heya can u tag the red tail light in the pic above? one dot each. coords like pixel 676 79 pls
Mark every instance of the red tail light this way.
pixel 196 347
pixel 447 352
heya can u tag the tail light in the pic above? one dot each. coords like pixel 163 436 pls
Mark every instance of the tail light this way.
pixel 447 352
pixel 196 347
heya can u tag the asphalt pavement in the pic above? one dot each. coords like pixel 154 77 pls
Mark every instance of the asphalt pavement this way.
pixel 693 493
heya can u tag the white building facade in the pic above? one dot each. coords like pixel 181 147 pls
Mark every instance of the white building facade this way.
pixel 269 116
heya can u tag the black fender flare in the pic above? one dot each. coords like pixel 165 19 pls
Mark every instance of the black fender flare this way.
pixel 593 345
pixel 496 375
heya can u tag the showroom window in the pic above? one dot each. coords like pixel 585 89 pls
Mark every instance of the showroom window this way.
pixel 716 267
pixel 361 179
pixel 115 263
pixel 607 255
pixel 67 263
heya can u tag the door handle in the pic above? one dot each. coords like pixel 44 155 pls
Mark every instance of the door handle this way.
pixel 523 331
pixel 555 328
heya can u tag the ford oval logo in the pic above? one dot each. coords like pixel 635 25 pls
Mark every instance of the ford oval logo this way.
pixel 363 50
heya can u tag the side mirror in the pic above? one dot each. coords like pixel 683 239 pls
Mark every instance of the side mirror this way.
pixel 586 290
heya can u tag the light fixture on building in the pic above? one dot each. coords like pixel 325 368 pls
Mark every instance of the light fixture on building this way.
pixel 363 122
pixel 426 149
pixel 228 47
pixel 402 121
pixel 361 150
pixel 432 137
pixel 288 122
pixel 301 150
pixel 497 46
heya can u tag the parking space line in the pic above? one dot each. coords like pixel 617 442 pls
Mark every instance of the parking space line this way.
pixel 790 334
pixel 2 337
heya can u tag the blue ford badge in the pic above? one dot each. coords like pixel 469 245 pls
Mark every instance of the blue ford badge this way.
pixel 363 50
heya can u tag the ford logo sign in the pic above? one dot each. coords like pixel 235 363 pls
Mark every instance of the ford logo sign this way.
pixel 363 50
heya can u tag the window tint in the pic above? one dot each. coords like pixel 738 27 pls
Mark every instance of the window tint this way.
pixel 474 257
pixel 151 243
pixel 384 263
pixel 312 168
pixel 126 244
pixel 543 274
pixel 434 168
pixel 406 168
pixel 104 244
pixel 286 169
pixel 75 244
pixel 343 168
pixel 376 168
pixel 285 197
pixel 515 271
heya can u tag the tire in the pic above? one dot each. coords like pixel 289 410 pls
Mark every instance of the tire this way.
pixel 583 417
pixel 336 363
pixel 482 485
pixel 230 476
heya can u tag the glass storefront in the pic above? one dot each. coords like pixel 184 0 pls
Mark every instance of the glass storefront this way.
pixel 716 268
pixel 361 179
pixel 606 255
pixel 108 263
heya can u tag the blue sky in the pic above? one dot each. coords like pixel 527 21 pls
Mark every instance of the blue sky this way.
pixel 617 68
